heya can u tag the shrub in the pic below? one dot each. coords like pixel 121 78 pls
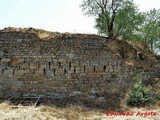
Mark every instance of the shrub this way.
pixel 140 95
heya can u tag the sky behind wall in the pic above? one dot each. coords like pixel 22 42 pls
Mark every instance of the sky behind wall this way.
pixel 54 15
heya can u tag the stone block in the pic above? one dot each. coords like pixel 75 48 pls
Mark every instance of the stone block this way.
pixel 73 64
pixel 62 60
pixel 70 55
pixel 2 66
pixel 76 81
pixel 49 72
pixel 70 72
pixel 33 67
pixel 68 60
pixel 5 60
pixel 1 53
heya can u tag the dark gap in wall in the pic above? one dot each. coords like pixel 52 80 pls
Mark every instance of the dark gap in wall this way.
pixel 94 68
pixel 69 65
pixel 104 68
pixel 19 67
pixel 29 64
pixel 49 64
pixel 33 71
pixel 2 71
pixel 13 71
pixel 54 71
pixel 65 71
pixel 24 60
pixel 59 64
pixel 74 69
pixel 84 68
pixel 44 71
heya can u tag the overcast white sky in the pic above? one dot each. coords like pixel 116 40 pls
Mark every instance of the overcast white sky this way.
pixel 53 15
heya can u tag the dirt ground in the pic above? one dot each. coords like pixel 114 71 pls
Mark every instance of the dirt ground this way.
pixel 72 112
pixel 78 108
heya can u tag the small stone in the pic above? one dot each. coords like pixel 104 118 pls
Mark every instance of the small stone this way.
pixel 92 97
pixel 93 92
pixel 76 93
pixel 17 95
pixel 101 98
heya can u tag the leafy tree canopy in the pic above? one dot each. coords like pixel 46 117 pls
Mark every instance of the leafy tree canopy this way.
pixel 121 18
pixel 114 17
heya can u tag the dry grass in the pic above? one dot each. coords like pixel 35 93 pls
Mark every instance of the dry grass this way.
pixel 69 112
pixel 7 112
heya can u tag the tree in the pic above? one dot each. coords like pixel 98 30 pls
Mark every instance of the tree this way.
pixel 114 17
pixel 151 29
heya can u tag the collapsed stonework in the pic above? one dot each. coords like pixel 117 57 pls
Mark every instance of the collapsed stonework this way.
pixel 45 63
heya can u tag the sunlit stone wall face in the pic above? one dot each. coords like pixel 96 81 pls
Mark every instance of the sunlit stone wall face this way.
pixel 29 65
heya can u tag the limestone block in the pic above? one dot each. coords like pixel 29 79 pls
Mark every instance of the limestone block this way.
pixel 35 82
pixel 77 71
pixel 75 75
pixel 21 72
pixel 90 70
pixel 53 56
pixel 70 55
pixel 54 60
pixel 91 75
pixel 5 60
pixel 1 53
pixel 49 72
pixel 70 71
pixel 75 93
pixel 76 81
pixel 82 74
pixel 73 64
pixel 62 60
pixel 19 40
pixel 32 67
pixel 8 72
pixel 60 72
pixel 42 66
pixel 2 66
pixel 101 99
pixel 20 59
pixel 23 66
pixel 119 63
pixel 69 60
pixel 110 70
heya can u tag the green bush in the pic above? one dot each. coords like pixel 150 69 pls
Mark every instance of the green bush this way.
pixel 140 94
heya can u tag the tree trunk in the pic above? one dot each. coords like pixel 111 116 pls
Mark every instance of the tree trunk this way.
pixel 151 45
pixel 110 27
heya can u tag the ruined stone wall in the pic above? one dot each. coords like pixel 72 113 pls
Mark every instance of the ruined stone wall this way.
pixel 29 65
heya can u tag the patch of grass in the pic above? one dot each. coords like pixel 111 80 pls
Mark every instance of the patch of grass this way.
pixel 140 94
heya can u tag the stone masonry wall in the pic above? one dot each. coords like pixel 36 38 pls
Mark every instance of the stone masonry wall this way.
pixel 29 65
